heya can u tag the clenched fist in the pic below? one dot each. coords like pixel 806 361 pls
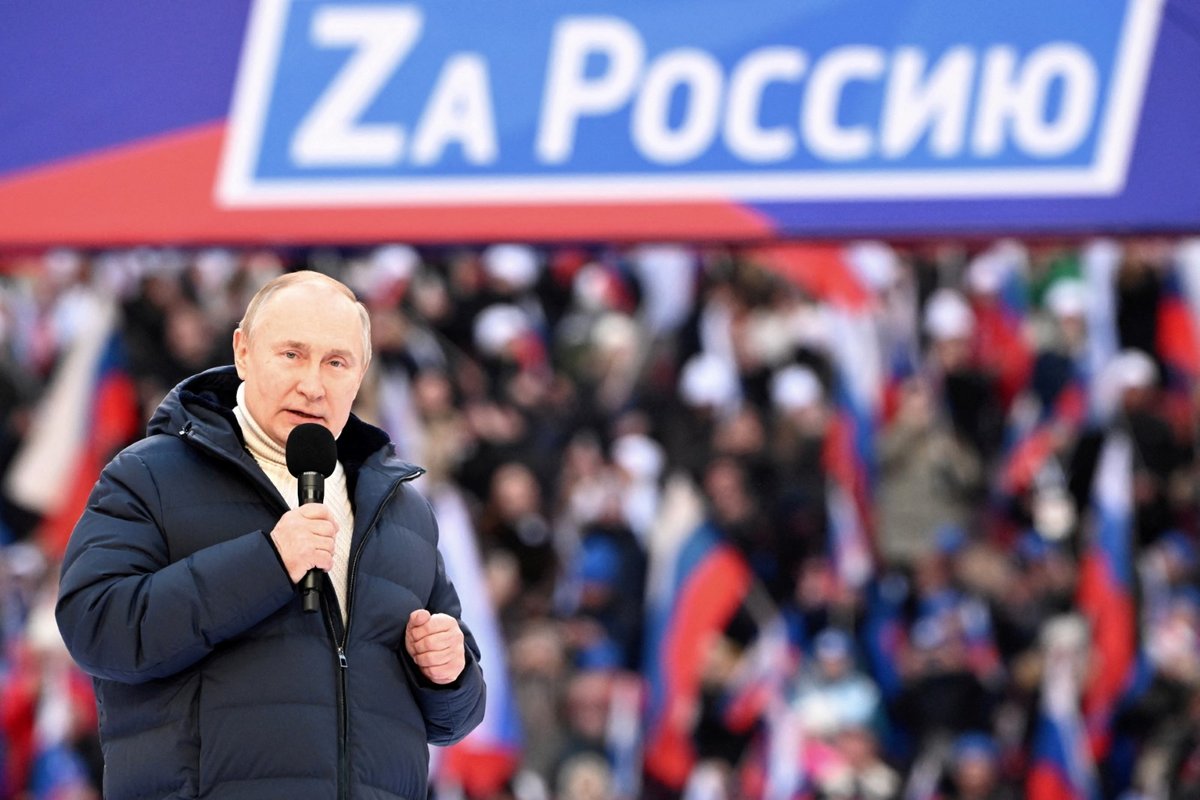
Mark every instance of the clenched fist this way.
pixel 436 644
pixel 304 538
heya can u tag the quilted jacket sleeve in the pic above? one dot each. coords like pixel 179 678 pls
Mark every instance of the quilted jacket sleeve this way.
pixel 127 612
pixel 451 711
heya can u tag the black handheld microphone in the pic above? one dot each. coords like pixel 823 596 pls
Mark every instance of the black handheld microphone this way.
pixel 311 457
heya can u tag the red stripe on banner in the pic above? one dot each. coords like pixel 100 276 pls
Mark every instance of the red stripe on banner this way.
pixel 161 190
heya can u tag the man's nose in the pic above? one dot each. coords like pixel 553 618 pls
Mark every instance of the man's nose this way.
pixel 310 382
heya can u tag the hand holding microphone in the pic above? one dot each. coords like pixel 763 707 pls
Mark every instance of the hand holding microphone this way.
pixel 305 536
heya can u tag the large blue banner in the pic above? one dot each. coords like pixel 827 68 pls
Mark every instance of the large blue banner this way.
pixel 465 100
pixel 346 120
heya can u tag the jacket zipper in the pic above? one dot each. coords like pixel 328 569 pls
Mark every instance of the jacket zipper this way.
pixel 343 778
pixel 340 646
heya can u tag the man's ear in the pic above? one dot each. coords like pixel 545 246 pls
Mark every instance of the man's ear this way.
pixel 240 352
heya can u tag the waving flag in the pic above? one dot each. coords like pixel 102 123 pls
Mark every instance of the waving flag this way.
pixel 1032 445
pixel 1176 336
pixel 88 413
pixel 1062 766
pixel 485 760
pixel 829 273
pixel 58 770
pixel 1100 259
pixel 708 582
pixel 849 454
pixel 1105 594
pixel 999 300
pixel 775 768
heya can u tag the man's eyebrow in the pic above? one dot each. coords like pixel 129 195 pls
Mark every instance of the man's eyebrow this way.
pixel 347 355
pixel 343 354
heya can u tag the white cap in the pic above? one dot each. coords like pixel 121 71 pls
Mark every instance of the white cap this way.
pixel 62 263
pixel 875 263
pixel 393 262
pixel 674 258
pixel 811 326
pixel 708 380
pixel 515 264
pixel 214 267
pixel 497 326
pixel 376 277
pixel 1132 369
pixel 795 387
pixel 985 274
pixel 987 271
pixel 948 316
pixel 1188 254
pixel 615 331
pixel 1067 297
pixel 639 456
pixel 592 288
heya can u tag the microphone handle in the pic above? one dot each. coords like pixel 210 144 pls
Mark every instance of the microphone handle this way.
pixel 311 488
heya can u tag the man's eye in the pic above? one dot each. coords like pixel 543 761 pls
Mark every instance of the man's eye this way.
pixel 290 354
pixel 337 362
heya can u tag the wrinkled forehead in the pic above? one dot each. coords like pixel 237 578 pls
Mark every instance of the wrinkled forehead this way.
pixel 304 310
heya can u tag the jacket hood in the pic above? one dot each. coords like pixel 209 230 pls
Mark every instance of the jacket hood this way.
pixel 203 405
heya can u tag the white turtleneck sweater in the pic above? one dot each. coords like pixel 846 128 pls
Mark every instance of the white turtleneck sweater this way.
pixel 272 458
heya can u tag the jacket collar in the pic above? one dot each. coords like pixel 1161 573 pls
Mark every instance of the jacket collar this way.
pixel 204 404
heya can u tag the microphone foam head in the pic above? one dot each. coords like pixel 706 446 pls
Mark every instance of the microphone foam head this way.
pixel 311 448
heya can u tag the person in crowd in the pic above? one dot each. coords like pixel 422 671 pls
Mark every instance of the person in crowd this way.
pixel 942 697
pixel 834 695
pixel 1131 382
pixel 930 477
pixel 178 590
pixel 514 527
pixel 974 771
pixel 968 391
pixel 856 770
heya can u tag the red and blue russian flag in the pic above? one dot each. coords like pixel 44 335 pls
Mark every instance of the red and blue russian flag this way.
pixel 828 274
pixel 1106 592
pixel 1177 338
pixel 709 580
pixel 1062 768
pixel 483 762
pixel 88 413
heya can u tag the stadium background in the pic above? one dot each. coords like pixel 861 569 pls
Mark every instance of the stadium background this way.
pixel 787 441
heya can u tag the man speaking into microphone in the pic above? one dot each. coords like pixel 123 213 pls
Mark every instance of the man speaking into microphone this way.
pixel 180 586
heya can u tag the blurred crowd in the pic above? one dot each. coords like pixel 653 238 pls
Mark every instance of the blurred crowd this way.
pixel 792 521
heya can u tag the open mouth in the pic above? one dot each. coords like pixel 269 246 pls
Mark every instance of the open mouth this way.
pixel 303 415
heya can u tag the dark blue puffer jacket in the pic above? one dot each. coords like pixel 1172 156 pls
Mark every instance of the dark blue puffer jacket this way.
pixel 211 681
